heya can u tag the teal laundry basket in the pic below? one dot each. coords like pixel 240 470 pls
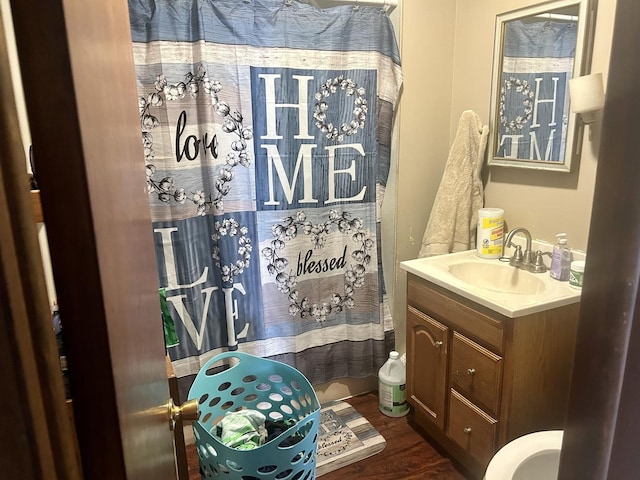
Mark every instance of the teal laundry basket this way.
pixel 234 381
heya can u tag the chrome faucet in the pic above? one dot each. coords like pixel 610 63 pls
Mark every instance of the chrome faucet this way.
pixel 527 260
pixel 520 259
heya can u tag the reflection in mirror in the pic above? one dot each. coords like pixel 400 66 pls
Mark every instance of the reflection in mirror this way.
pixel 537 51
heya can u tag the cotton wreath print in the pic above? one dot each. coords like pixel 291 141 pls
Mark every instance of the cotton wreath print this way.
pixel 232 124
pixel 520 87
pixel 230 227
pixel 321 108
pixel 354 273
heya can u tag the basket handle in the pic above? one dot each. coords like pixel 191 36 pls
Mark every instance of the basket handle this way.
pixel 241 356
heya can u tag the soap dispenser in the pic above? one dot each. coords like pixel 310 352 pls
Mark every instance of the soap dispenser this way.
pixel 560 259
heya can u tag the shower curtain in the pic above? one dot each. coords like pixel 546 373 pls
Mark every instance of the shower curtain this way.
pixel 266 127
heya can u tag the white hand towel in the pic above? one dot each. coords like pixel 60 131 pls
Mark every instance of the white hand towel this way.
pixel 452 223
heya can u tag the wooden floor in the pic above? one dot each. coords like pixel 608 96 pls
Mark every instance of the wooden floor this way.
pixel 407 456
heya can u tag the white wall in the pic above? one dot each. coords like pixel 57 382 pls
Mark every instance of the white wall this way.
pixel 423 122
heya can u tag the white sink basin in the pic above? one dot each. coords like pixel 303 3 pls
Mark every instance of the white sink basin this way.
pixel 499 277
pixel 510 291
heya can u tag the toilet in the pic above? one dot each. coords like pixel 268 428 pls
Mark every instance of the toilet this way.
pixel 535 456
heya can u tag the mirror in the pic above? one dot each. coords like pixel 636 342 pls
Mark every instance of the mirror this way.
pixel 538 49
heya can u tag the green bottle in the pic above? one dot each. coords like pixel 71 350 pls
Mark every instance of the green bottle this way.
pixel 170 336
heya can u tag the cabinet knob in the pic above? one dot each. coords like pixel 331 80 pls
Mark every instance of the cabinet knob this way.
pixel 438 344
pixel 471 371
pixel 467 430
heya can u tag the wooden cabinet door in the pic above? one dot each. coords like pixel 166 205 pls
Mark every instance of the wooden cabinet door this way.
pixel 427 351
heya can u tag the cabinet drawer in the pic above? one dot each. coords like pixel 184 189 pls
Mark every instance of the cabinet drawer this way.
pixel 476 373
pixel 476 321
pixel 471 428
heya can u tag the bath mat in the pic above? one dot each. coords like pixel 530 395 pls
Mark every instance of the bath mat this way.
pixel 344 437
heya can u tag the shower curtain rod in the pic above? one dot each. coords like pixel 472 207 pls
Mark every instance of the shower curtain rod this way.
pixel 387 5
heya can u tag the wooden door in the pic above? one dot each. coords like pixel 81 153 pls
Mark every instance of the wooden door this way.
pixel 601 433
pixel 427 358
pixel 78 76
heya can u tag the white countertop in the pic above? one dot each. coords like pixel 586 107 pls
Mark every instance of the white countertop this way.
pixel 436 270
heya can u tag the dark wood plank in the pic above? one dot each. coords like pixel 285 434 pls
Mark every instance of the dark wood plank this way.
pixel 36 206
pixel 407 456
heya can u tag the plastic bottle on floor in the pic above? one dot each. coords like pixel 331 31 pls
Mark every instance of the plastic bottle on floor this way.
pixel 392 387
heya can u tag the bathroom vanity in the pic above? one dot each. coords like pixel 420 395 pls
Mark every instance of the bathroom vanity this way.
pixel 481 368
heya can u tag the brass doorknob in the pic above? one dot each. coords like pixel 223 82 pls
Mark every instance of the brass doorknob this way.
pixel 189 410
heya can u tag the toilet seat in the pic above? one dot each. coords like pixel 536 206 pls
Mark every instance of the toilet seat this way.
pixel 509 458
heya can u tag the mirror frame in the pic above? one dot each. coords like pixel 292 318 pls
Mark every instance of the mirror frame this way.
pixel 584 44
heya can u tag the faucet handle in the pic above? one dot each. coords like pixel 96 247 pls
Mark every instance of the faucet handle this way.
pixel 516 259
pixel 538 265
